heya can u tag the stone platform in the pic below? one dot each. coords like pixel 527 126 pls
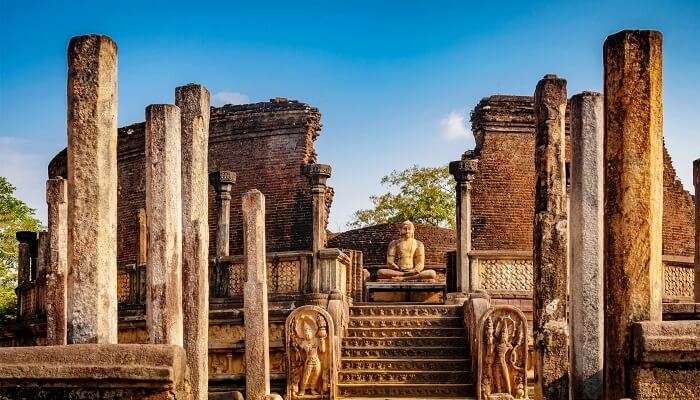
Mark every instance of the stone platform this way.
pixel 403 350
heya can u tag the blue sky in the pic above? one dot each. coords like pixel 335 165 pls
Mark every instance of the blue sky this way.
pixel 394 80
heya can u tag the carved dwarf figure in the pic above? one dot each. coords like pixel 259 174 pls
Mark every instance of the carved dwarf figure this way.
pixel 406 258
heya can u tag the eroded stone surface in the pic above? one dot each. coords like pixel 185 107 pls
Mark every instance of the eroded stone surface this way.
pixel 57 217
pixel 92 190
pixel 164 210
pixel 633 195
pixel 193 101
pixel 550 234
pixel 696 183
pixel 257 341
pixel 586 207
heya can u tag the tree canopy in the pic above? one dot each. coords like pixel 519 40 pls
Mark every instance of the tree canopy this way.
pixel 424 195
pixel 15 216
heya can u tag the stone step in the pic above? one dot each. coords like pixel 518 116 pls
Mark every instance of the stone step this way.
pixel 405 352
pixel 404 310
pixel 403 332
pixel 428 341
pixel 374 322
pixel 402 364
pixel 404 377
pixel 398 390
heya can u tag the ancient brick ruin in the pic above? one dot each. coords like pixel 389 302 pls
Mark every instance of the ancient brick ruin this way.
pixel 570 274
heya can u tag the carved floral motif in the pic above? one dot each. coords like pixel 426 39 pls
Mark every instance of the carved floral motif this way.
pixel 502 362
pixel 309 345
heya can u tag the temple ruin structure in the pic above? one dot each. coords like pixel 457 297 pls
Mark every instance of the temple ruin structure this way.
pixel 189 257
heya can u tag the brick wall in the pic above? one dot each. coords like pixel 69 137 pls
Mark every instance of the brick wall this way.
pixel 503 188
pixel 373 241
pixel 265 144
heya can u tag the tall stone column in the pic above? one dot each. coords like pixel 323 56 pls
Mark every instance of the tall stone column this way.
pixel 223 183
pixel 143 238
pixel 317 175
pixel 463 172
pixel 42 254
pixel 92 190
pixel 586 207
pixel 193 101
pixel 633 195
pixel 57 201
pixel 164 208
pixel 550 253
pixel 27 240
pixel 257 341
pixel 696 182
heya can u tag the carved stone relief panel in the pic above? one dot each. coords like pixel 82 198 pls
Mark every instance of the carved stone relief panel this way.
pixel 310 348
pixel 678 281
pixel 505 274
pixel 502 354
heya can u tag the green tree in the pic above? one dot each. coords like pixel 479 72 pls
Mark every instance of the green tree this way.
pixel 425 195
pixel 15 216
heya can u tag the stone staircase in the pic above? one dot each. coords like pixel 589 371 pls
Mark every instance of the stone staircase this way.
pixel 405 351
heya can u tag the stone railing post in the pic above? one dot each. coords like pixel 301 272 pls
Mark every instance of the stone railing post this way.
pixel 92 190
pixel 696 183
pixel 317 175
pixel 27 241
pixel 586 235
pixel 193 101
pixel 463 172
pixel 550 250
pixel 633 196
pixel 223 183
pixel 257 340
pixel 164 208
pixel 57 201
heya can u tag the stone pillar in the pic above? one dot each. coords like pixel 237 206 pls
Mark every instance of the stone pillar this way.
pixel 633 195
pixel 92 190
pixel 193 101
pixel 27 240
pixel 164 208
pixel 317 175
pixel 550 252
pixel 57 201
pixel 257 341
pixel 142 257
pixel 696 182
pixel 42 255
pixel 223 183
pixel 463 172
pixel 586 237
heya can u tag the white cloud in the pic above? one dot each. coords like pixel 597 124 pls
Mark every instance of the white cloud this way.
pixel 453 127
pixel 225 97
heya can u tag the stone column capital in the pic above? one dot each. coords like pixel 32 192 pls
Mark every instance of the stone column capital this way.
pixel 464 170
pixel 317 174
pixel 222 180
pixel 27 237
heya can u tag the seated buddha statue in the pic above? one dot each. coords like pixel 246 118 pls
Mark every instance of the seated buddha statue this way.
pixel 405 258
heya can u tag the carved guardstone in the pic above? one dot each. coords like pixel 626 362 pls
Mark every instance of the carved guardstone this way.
pixel 310 336
pixel 502 354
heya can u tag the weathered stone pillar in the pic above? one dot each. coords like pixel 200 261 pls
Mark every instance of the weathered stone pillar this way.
pixel 586 235
pixel 223 183
pixel 193 101
pixel 142 257
pixel 57 201
pixel 257 341
pixel 550 253
pixel 696 182
pixel 164 208
pixel 633 195
pixel 92 190
pixel 317 175
pixel 27 240
pixel 42 254
pixel 463 172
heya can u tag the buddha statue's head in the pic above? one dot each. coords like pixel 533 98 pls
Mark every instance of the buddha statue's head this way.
pixel 407 230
